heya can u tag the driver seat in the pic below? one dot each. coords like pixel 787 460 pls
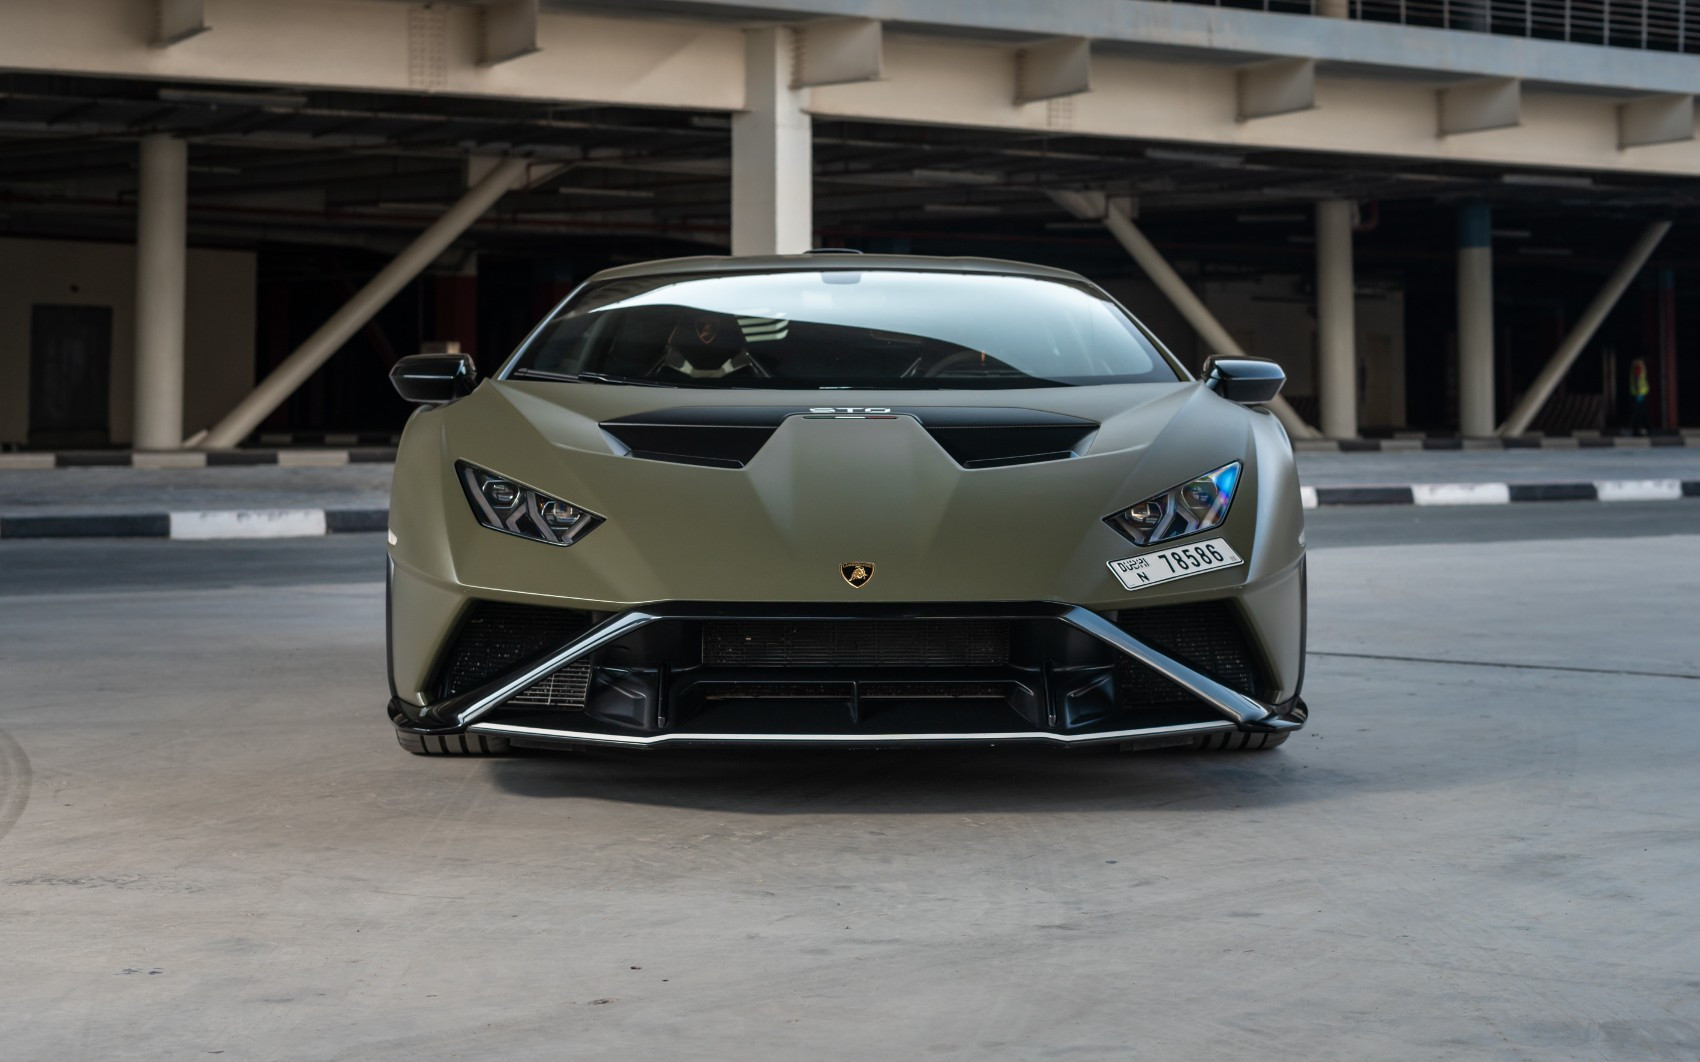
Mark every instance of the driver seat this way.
pixel 707 346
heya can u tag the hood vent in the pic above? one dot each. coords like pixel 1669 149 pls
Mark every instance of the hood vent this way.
pixel 974 436
pixel 993 438
pixel 715 436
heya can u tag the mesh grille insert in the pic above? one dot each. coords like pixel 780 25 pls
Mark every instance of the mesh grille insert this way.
pixel 1206 636
pixel 855 643
pixel 496 636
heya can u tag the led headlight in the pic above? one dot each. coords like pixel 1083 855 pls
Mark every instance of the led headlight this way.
pixel 1193 506
pixel 503 505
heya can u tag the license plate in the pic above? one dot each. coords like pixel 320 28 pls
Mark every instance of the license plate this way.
pixel 1176 562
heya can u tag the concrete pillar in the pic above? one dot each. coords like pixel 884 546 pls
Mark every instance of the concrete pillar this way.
pixel 772 152
pixel 1475 320
pixel 161 252
pixel 1334 8
pixel 1336 320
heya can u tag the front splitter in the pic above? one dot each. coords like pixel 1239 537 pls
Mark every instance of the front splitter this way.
pixel 550 736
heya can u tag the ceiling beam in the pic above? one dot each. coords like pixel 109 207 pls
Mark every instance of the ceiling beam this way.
pixel 1279 86
pixel 177 20
pixel 507 30
pixel 838 52
pixel 1477 106
pixel 1052 69
pixel 1655 120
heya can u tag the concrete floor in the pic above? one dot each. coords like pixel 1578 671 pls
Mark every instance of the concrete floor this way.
pixel 1484 847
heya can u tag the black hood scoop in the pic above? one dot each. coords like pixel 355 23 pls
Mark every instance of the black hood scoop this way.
pixel 730 436
pixel 716 436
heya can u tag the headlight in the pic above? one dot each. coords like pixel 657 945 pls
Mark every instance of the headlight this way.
pixel 503 505
pixel 1193 506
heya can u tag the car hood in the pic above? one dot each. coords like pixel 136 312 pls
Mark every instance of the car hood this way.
pixel 865 477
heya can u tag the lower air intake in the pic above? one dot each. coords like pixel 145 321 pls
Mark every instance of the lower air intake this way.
pixel 1206 636
pixel 855 643
pixel 495 637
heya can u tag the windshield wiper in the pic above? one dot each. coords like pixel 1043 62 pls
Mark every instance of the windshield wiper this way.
pixel 586 377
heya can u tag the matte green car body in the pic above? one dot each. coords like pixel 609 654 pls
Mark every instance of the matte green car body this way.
pixel 823 492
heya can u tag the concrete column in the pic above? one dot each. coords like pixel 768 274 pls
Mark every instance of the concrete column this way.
pixel 161 252
pixel 1475 320
pixel 1336 320
pixel 1334 8
pixel 772 152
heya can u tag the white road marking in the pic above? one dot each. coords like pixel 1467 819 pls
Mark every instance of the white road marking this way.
pixel 1611 490
pixel 248 523
pixel 1461 493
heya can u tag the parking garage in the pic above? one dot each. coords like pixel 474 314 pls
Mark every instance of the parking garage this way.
pixel 1506 240
pixel 1461 229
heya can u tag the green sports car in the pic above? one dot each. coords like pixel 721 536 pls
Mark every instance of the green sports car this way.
pixel 842 499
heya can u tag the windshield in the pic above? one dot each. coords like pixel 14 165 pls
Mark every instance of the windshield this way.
pixel 876 328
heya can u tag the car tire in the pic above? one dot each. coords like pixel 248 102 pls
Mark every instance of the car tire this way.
pixel 1238 741
pixel 452 744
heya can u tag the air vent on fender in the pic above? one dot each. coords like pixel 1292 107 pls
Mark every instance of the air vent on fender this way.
pixel 719 437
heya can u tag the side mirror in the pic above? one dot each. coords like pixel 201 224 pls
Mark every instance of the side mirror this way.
pixel 1244 380
pixel 434 379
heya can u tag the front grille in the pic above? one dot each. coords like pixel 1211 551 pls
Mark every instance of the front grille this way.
pixel 1206 636
pixel 855 643
pixel 566 688
pixel 868 691
pixel 495 637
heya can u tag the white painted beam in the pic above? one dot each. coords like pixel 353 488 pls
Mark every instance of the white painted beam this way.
pixel 839 52
pixel 177 20
pixel 1052 69
pixel 1178 31
pixel 507 29
pixel 356 45
pixel 933 80
pixel 362 45
pixel 1655 120
pixel 772 152
pixel 1480 105
pixel 1280 86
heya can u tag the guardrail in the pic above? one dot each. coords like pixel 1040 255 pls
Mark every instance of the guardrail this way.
pixel 1652 25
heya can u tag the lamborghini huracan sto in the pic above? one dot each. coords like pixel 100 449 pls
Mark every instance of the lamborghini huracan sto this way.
pixel 843 499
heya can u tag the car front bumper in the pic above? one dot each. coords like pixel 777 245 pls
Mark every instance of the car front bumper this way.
pixel 1043 673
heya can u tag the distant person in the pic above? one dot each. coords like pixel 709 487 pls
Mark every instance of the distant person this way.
pixel 1638 395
